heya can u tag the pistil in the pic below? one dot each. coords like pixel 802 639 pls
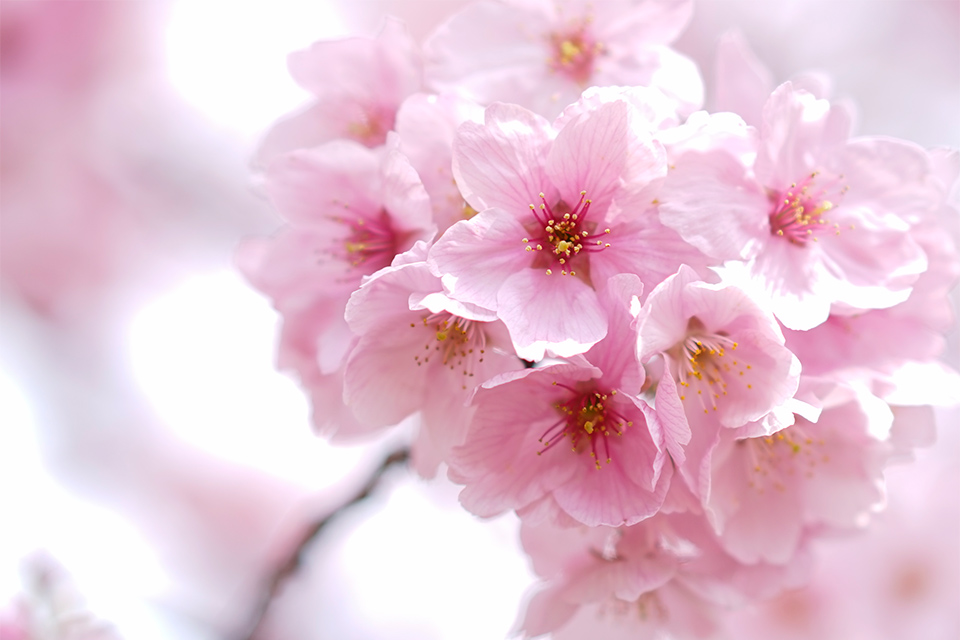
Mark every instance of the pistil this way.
pixel 564 236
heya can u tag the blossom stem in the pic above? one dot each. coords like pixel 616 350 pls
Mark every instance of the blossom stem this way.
pixel 273 584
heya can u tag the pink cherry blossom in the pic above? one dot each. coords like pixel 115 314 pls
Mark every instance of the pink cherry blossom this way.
pixel 821 221
pixel 418 350
pixel 69 212
pixel 597 567
pixel 666 574
pixel 359 83
pixel 570 438
pixel 725 353
pixel 725 364
pixel 51 605
pixel 882 340
pixel 767 491
pixel 742 82
pixel 542 54
pixel 559 212
pixel 427 125
pixel 350 211
pixel 904 570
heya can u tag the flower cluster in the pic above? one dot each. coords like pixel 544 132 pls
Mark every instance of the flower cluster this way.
pixel 680 345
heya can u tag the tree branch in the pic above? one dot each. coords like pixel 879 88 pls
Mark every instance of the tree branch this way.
pixel 276 580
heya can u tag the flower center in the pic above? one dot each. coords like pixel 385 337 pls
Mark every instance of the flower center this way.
pixel 703 364
pixel 370 126
pixel 798 214
pixel 562 236
pixel 370 244
pixel 786 456
pixel 588 421
pixel 456 343
pixel 573 53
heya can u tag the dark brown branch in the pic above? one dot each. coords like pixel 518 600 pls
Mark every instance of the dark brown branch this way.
pixel 287 568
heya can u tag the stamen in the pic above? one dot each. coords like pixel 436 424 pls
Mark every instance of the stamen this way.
pixel 776 460
pixel 702 366
pixel 460 343
pixel 564 235
pixel 798 214
pixel 588 422
pixel 574 52
pixel 370 244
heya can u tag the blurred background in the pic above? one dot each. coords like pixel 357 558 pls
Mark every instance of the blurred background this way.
pixel 155 468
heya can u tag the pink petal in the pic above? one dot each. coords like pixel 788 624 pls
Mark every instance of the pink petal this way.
pixel 405 199
pixel 663 319
pixel 501 162
pixel 494 239
pixel 498 461
pixel 382 383
pixel 644 246
pixel 553 312
pixel 798 131
pixel 386 69
pixel 591 154
pixel 689 204
pixel 427 125
pixel 545 612
pixel 672 428
pixel 622 492
pixel 304 184
pixel 743 83
pixel 310 127
pixel 620 366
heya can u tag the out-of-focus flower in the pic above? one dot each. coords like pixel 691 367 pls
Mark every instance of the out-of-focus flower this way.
pixel 666 575
pixel 67 225
pixel 359 83
pixel 766 492
pixel 904 570
pixel 50 607
pixel 541 54
pixel 351 210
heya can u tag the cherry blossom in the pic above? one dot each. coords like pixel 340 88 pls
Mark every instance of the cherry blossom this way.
pixel 821 221
pixel 417 350
pixel 664 575
pixel 766 491
pixel 427 125
pixel 682 346
pixel 542 54
pixel 350 211
pixel 559 212
pixel 570 440
pixel 724 365
pixel 359 83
